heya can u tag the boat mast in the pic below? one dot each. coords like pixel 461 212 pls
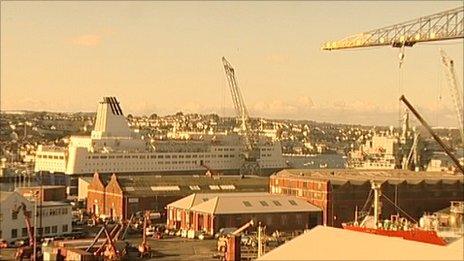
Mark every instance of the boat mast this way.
pixel 377 208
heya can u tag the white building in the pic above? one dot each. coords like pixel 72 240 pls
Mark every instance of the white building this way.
pixel 55 217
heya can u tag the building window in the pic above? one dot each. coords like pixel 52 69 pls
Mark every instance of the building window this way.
pixel 47 230
pixel 65 228
pixel 292 202
pixel 1 234
pixel 54 229
pixel 24 232
pixel 40 231
pixel 247 203
pixel 14 215
pixel 14 233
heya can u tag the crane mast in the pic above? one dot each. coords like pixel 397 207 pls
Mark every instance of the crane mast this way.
pixel 446 25
pixel 454 90
pixel 429 129
pixel 251 152
pixel 27 219
pixel 237 98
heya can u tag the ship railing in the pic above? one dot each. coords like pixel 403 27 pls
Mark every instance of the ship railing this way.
pixel 451 230
pixel 457 207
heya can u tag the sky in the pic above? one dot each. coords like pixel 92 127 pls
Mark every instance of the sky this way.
pixel 165 57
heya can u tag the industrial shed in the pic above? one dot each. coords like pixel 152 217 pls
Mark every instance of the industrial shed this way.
pixel 328 243
pixel 338 192
pixel 210 212
pixel 121 196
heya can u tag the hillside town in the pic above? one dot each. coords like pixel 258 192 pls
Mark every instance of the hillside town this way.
pixel 282 176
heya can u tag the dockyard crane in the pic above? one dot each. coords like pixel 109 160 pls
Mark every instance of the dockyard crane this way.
pixel 455 90
pixel 413 155
pixel 144 248
pixel 431 132
pixel 25 251
pixel 250 152
pixel 446 25
pixel 229 245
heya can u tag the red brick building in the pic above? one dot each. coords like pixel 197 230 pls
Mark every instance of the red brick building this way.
pixel 121 196
pixel 339 192
pixel 211 212
pixel 96 196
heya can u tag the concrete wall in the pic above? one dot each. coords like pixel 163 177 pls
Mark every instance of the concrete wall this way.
pixel 82 189
pixel 58 215
pixel 46 193
pixel 12 222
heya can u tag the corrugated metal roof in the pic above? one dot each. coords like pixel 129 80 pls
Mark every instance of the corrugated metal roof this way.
pixel 340 176
pixel 198 198
pixel 238 203
pixel 142 185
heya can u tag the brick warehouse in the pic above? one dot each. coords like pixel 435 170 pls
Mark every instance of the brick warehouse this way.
pixel 339 192
pixel 210 212
pixel 121 196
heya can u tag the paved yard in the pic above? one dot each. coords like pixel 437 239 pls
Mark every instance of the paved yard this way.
pixel 175 248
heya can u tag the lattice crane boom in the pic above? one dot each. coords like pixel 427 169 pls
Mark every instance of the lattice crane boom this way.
pixel 251 151
pixel 446 25
pixel 455 90
pixel 237 98
pixel 239 104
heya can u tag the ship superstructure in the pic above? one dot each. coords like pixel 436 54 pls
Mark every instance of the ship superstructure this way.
pixel 113 147
pixel 389 150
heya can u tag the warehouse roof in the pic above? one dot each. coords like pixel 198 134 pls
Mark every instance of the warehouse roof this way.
pixel 359 177
pixel 198 198
pixel 320 242
pixel 240 203
pixel 182 185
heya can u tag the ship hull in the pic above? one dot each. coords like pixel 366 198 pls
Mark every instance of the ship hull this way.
pixel 424 236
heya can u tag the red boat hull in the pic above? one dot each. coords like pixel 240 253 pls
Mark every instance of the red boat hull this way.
pixel 424 236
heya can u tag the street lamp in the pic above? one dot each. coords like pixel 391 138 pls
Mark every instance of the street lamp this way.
pixel 35 194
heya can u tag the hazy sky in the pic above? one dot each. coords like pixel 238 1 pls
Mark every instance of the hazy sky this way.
pixel 160 57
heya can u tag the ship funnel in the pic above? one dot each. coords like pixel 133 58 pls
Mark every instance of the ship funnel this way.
pixel 110 120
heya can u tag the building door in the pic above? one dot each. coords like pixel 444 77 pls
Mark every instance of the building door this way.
pixel 200 222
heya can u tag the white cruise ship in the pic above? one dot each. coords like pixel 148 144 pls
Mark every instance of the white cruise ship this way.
pixel 113 147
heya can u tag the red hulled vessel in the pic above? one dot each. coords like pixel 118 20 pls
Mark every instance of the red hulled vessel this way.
pixel 395 227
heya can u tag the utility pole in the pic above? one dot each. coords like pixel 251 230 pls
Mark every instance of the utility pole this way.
pixel 35 226
pixel 260 243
